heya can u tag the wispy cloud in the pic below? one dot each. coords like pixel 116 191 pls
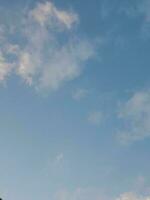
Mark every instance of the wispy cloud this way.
pixel 140 10
pixel 79 94
pixel 5 67
pixel 59 158
pixel 144 8
pixel 135 114
pixel 79 194
pixel 96 117
pixel 135 11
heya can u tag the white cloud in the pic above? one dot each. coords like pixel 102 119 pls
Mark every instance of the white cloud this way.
pixel 79 94
pixel 135 114
pixel 132 196
pixel 96 117
pixel 66 64
pixel 43 60
pixel 47 13
pixel 128 196
pixel 27 67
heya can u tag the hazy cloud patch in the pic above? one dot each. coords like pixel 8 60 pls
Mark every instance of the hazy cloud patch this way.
pixel 135 115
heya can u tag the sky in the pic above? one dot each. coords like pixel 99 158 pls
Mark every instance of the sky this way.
pixel 74 99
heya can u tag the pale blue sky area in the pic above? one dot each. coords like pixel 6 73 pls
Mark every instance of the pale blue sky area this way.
pixel 74 99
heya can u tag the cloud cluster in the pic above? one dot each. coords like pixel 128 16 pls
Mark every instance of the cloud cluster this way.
pixel 49 54
pixel 135 114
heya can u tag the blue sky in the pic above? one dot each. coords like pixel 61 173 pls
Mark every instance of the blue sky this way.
pixel 74 99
